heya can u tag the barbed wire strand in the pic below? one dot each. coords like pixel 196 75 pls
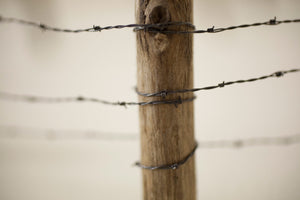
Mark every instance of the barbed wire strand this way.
pixel 271 22
pixel 14 132
pixel 146 27
pixel 164 93
pixel 95 28
pixel 238 143
pixel 20 132
pixel 42 99
pixel 169 166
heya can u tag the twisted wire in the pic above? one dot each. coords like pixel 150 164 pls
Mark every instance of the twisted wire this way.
pixel 160 27
pixel 21 132
pixel 95 28
pixel 271 22
pixel 55 134
pixel 164 93
pixel 40 99
pixel 169 166
pixel 251 142
pixel 237 143
pixel 51 134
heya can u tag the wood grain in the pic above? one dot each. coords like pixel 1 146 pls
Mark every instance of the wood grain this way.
pixel 167 132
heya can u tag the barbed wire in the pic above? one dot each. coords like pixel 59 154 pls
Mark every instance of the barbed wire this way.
pixel 169 166
pixel 238 143
pixel 51 134
pixel 271 22
pixel 43 99
pixel 19 132
pixel 95 28
pixel 164 93
pixel 161 27
pixel 251 142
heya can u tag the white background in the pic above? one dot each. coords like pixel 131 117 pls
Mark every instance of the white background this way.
pixel 103 65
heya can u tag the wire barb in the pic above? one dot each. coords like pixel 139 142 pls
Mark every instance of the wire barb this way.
pixel 164 93
pixel 273 21
pixel 170 166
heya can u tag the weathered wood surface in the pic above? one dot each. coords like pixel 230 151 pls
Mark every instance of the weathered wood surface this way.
pixel 165 61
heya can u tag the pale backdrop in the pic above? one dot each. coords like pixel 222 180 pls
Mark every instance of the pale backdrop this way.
pixel 103 65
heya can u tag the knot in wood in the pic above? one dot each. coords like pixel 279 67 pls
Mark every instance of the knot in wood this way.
pixel 157 14
pixel 161 42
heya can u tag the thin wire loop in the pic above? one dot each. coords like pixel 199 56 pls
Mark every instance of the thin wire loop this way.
pixel 164 93
pixel 169 166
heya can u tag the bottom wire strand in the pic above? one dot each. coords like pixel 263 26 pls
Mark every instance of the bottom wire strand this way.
pixel 170 166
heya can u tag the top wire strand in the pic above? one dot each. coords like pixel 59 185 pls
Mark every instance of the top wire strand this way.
pixel 95 28
pixel 146 27
pixel 273 21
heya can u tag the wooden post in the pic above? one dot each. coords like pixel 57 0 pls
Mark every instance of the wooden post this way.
pixel 165 62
